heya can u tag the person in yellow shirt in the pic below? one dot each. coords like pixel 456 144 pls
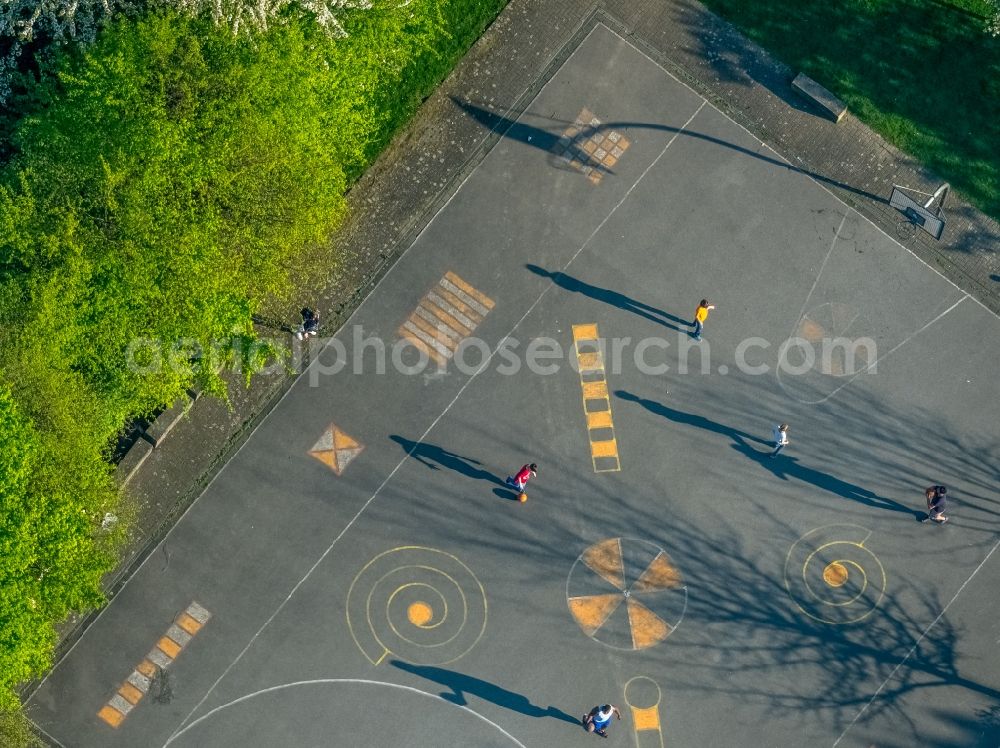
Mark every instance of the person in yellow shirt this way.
pixel 700 315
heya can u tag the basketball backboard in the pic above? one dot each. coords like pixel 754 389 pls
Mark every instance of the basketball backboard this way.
pixel 927 219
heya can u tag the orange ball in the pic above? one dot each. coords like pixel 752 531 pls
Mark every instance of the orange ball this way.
pixel 523 497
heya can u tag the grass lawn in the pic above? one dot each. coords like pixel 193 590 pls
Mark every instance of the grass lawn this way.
pixel 923 73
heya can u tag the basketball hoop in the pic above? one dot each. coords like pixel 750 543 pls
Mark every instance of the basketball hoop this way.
pixel 921 216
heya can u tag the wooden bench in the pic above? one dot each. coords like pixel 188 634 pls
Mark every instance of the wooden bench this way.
pixel 819 95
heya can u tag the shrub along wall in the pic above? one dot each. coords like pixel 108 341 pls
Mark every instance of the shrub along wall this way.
pixel 165 182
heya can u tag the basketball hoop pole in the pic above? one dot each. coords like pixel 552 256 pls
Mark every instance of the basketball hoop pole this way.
pixel 941 192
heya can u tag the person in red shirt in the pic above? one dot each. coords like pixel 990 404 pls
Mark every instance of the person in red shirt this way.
pixel 520 480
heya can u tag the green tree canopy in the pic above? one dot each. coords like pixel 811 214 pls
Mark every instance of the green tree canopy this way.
pixel 166 188
pixel 170 180
pixel 53 555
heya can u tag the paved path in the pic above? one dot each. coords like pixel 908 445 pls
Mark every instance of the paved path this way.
pixel 358 574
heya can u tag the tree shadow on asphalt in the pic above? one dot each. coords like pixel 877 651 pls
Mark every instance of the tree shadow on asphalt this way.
pixel 895 646
pixel 435 458
pixel 743 634
pixel 827 670
pixel 981 730
pixel 461 685
pixel 613 298
pixel 545 140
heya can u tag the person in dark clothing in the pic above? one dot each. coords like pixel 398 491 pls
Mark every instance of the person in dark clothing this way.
pixel 937 499
pixel 310 324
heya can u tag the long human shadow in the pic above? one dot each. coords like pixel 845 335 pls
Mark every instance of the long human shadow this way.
pixel 544 140
pixel 460 684
pixel 606 295
pixel 785 467
pixel 436 457
pixel 688 419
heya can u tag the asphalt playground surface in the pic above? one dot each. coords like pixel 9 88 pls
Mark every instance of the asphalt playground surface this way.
pixel 358 574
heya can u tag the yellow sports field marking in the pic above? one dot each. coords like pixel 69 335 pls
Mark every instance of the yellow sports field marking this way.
pixel 336 449
pixel 607 574
pixel 472 301
pixel 444 324
pixel 596 400
pixel 443 297
pixel 647 627
pixel 420 613
pixel 418 604
pixel 483 299
pixel 130 693
pixel 443 334
pixel 169 647
pixel 188 623
pixel 595 390
pixel 605 558
pixel 412 329
pixel 591 611
pixel 599 420
pixel 646 719
pixel 584 332
pixel 607 448
pixel 832 576
pixel 643 697
pixel 111 715
pixel 447 314
pixel 421 345
pixel 659 575
pixel 835 574
pixel 590 147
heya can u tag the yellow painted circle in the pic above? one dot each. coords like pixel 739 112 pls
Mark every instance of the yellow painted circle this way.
pixel 835 574
pixel 419 613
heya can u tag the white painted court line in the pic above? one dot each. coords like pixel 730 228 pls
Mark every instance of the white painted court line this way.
pixel 886 355
pixel 374 288
pixel 458 188
pixel 456 191
pixel 47 735
pixel 331 681
pixel 896 347
pixel 819 274
pixel 483 366
pixel 914 647
pixel 803 172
